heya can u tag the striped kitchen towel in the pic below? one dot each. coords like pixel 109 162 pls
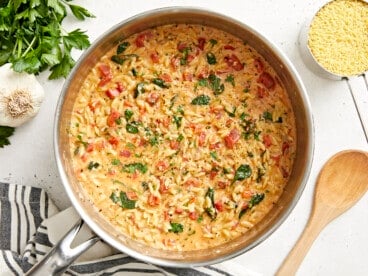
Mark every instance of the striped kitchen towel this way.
pixel 26 216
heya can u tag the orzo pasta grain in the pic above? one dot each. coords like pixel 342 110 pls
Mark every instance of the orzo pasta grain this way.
pixel 183 137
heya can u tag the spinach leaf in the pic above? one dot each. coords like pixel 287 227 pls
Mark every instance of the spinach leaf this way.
pixel 211 58
pixel 177 120
pixel 120 59
pixel 160 82
pixel 201 100
pixel 93 165
pixel 128 114
pixel 131 128
pixel 230 79
pixel 123 200
pixel 215 84
pixel 256 199
pixel 244 171
pixel 122 47
pixel 139 90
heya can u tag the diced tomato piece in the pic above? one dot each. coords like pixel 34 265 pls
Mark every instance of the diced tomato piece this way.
pixel 152 98
pixel 187 76
pixel 229 47
pixel 190 58
pixel 192 182
pixel 179 210
pixel 125 153
pixel 84 157
pixel 139 41
pixel 112 93
pixel 247 194
pixel 234 62
pixel 213 174
pixel 120 87
pixel 258 64
pixel 153 200
pixel 220 72
pixel 90 147
pixel 261 92
pixel 166 77
pixel 175 62
pixel 127 104
pixel 132 195
pixel 163 188
pixel 142 142
pixel 285 173
pixel 93 105
pixel 222 184
pixel 155 58
pixel 174 144
pixel 267 80
pixel 267 141
pixel 193 215
pixel 181 46
pixel 166 216
pixel 203 73
pixel 215 146
pixel 201 42
pixel 113 141
pixel 285 147
pixel 112 118
pixel 105 73
pixel 202 139
pixel 162 165
pixel 232 138
pixel 219 206
pixel 111 172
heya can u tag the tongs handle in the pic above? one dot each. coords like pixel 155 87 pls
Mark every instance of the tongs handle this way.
pixel 62 255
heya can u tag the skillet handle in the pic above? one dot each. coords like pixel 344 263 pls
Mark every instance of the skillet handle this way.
pixel 61 255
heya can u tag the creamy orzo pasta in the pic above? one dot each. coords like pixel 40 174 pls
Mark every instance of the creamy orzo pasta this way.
pixel 183 137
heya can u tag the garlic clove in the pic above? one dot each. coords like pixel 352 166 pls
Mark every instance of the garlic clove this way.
pixel 21 96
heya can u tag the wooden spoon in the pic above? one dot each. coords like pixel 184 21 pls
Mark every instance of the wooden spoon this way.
pixel 341 183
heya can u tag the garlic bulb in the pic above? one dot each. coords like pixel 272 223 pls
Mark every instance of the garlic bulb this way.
pixel 21 96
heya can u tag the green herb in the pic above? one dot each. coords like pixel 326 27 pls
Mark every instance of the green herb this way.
pixel 120 59
pixel 153 140
pixel 115 162
pixel 213 42
pixel 200 219
pixel 211 58
pixel 256 135
pixel 244 171
pixel 93 165
pixel 133 167
pixel 203 82
pixel 246 90
pixel 226 171
pixel 267 116
pixel 230 79
pixel 243 116
pixel 256 199
pixel 131 128
pixel 79 137
pixel 231 113
pixel 177 120
pixel 201 100
pixel 215 84
pixel 243 211
pixel 118 121
pixel 139 89
pixel 180 110
pixel 172 101
pixel 211 211
pixel 214 155
pixel 32 37
pixel 260 174
pixel 184 59
pixel 145 185
pixel 122 47
pixel 128 114
pixel 130 146
pixel 160 82
pixel 180 138
pixel 134 72
pixel 5 133
pixel 176 227
pixel 123 200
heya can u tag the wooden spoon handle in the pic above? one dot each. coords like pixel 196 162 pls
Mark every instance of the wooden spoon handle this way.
pixel 292 262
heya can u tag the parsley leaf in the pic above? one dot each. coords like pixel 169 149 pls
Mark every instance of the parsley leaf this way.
pixel 201 100
pixel 5 133
pixel 32 37
pixel 133 167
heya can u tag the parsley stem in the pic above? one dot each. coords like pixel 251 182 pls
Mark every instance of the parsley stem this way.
pixel 29 46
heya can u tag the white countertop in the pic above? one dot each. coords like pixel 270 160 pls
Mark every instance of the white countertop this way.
pixel 342 247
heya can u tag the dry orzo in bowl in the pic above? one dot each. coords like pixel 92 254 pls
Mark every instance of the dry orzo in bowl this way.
pixel 182 130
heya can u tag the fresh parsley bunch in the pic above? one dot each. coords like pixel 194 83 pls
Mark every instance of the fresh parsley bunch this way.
pixel 32 37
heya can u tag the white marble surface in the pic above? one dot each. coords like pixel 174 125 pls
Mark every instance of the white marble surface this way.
pixel 342 248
